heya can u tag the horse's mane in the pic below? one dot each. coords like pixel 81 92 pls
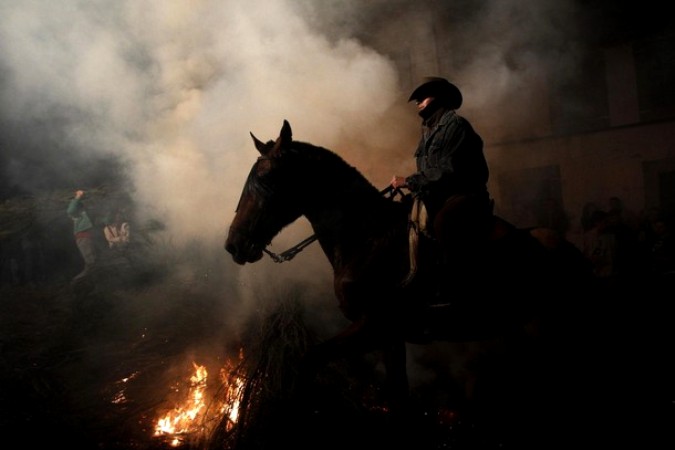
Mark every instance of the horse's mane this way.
pixel 314 178
pixel 329 163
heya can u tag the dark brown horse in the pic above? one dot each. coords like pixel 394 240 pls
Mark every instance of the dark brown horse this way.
pixel 365 237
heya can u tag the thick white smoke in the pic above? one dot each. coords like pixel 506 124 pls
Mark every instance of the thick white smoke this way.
pixel 174 87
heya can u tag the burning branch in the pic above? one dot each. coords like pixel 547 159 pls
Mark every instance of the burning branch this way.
pixel 273 358
pixel 194 417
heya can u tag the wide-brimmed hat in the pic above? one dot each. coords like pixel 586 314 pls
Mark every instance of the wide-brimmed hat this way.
pixel 439 88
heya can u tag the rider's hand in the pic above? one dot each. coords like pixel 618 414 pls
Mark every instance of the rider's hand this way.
pixel 398 182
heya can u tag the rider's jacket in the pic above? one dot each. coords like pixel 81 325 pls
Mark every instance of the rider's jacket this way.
pixel 449 159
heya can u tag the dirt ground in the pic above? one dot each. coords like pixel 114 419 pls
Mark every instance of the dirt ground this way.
pixel 94 366
pixel 91 366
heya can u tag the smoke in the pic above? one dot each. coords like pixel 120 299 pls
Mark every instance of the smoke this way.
pixel 168 90
pixel 172 89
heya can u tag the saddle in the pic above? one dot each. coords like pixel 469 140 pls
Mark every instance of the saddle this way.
pixel 422 245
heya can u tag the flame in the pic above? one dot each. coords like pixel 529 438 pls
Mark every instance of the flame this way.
pixel 234 386
pixel 195 415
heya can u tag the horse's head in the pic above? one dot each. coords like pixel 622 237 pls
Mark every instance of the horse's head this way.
pixel 268 201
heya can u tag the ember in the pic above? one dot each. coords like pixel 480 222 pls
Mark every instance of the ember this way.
pixel 197 414
pixel 120 396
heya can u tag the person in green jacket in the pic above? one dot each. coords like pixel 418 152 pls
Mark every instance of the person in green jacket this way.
pixel 83 229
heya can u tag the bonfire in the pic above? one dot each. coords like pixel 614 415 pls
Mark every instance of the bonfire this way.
pixel 195 417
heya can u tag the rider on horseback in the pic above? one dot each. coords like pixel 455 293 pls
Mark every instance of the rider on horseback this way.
pixel 452 172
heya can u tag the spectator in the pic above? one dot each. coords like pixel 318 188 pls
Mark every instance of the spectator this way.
pixel 587 216
pixel 626 263
pixel 616 207
pixel 646 235
pixel 83 230
pixel 600 247
pixel 116 231
pixel 662 249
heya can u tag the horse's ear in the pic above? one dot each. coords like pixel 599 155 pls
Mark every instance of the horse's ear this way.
pixel 286 135
pixel 285 138
pixel 260 145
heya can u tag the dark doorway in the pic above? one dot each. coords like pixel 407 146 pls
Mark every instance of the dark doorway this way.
pixel 659 179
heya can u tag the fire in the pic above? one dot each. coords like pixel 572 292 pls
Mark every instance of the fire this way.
pixel 196 415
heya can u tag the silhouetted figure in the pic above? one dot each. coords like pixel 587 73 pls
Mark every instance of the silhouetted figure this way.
pixel 599 247
pixel 659 250
pixel 452 173
pixel 83 231
pixel 627 257
pixel 586 221
pixel 117 231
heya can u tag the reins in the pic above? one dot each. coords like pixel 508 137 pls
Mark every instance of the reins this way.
pixel 297 248
pixel 291 252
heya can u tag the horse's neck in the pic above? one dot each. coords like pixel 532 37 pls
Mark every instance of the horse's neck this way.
pixel 331 210
pixel 350 226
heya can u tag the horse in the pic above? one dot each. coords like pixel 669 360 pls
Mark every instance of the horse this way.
pixel 366 237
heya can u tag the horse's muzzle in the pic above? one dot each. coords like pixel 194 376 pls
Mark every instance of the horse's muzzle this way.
pixel 242 249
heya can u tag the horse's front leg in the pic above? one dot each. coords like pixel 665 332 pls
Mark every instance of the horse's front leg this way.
pixel 350 341
pixel 353 341
pixel 358 339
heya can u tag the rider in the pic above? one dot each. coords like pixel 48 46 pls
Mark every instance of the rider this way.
pixel 452 172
